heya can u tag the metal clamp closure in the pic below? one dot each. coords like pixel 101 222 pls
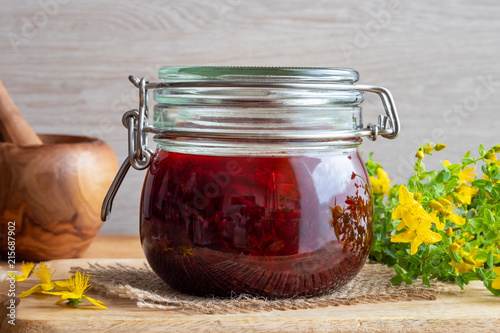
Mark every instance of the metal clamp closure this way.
pixel 139 154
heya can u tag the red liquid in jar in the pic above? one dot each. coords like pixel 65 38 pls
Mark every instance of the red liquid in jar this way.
pixel 264 226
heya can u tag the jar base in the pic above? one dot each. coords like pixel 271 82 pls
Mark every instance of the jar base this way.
pixel 209 273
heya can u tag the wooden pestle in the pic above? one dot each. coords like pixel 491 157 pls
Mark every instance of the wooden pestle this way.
pixel 13 126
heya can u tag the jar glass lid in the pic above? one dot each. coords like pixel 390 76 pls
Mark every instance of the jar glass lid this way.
pixel 258 74
pixel 257 101
pixel 264 86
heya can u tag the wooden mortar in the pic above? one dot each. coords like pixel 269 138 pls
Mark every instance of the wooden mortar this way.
pixel 51 186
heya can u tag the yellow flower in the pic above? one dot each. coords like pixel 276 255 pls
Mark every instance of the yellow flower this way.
pixel 43 273
pixel 443 201
pixel 436 205
pixel 184 251
pixel 381 184
pixel 445 208
pixel 457 219
pixel 496 282
pixel 467 175
pixel 166 249
pixel 408 203
pixel 417 233
pixel 467 265
pixel 454 247
pixel 440 146
pixel 26 269
pixel 78 285
pixel 491 157
pixel 470 260
pixel 465 194
pixel 416 219
pixel 461 268
pixel 446 163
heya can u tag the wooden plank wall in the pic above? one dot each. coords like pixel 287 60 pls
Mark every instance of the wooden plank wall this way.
pixel 66 63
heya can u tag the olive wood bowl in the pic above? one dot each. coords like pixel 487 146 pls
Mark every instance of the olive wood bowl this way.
pixel 53 193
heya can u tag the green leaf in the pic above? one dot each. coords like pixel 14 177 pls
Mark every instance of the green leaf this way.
pixel 481 150
pixel 432 249
pixel 490 260
pixel 494 171
pixel 426 252
pixel 492 236
pixel 476 225
pixel 439 187
pixel 485 169
pixel 480 274
pixel 399 270
pixel 467 160
pixel 398 279
pixel 408 280
pixel 483 183
pixel 455 257
pixel 452 184
pixel 454 168
pixel 439 177
pixel 425 281
pixel 488 217
pixel 479 183
pixel 414 260
pixel 391 254
pixel 459 281
pixel 470 213
pixel 495 292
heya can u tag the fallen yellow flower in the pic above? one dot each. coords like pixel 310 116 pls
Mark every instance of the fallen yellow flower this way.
pixel 43 273
pixel 27 267
pixel 78 285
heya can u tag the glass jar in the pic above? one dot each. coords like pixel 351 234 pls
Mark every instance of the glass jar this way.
pixel 256 185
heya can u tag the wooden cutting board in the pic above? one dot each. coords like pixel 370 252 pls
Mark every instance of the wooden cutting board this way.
pixel 474 310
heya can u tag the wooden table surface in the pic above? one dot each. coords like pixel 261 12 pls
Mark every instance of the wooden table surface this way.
pixel 474 310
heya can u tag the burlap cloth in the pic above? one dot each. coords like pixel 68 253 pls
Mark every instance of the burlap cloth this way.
pixel 141 285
